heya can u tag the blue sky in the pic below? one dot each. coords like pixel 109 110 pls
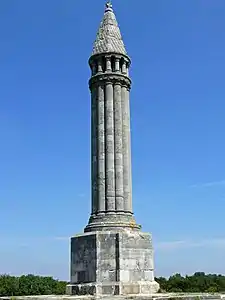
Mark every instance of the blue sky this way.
pixel 177 102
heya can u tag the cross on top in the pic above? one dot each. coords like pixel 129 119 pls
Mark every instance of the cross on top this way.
pixel 108 5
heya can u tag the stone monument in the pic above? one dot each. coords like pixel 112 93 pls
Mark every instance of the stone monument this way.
pixel 112 256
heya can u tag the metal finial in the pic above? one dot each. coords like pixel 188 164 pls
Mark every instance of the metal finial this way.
pixel 108 6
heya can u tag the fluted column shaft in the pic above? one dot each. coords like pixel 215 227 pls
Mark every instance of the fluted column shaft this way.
pixel 111 151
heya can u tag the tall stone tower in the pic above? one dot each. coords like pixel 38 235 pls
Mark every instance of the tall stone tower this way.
pixel 112 256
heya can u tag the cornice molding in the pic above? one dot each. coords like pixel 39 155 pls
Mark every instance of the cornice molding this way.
pixel 113 78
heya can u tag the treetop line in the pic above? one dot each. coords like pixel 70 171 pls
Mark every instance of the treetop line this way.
pixel 37 285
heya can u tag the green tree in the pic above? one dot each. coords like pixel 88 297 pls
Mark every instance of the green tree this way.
pixel 40 285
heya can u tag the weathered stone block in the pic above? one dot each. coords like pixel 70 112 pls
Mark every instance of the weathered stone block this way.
pixel 83 258
pixel 112 263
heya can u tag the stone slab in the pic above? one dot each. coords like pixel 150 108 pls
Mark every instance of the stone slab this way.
pixel 112 263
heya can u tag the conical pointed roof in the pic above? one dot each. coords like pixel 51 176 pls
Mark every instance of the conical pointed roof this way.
pixel 109 38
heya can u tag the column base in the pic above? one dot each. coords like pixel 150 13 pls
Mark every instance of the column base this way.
pixel 112 221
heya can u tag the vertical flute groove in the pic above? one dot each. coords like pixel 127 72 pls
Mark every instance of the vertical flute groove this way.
pixel 129 206
pixel 94 206
pixel 118 148
pixel 126 157
pixel 101 149
pixel 109 152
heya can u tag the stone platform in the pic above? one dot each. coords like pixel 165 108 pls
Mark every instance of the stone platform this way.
pixel 112 263
pixel 159 296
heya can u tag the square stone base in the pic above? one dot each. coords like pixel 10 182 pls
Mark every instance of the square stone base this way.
pixel 112 263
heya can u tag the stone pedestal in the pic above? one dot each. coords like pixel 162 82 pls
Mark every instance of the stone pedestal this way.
pixel 112 263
